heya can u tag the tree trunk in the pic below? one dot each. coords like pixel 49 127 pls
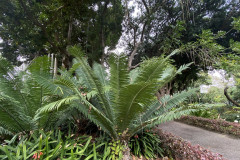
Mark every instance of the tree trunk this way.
pixel 126 152
pixel 229 98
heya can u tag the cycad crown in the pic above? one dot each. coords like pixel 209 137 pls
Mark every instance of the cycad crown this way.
pixel 121 102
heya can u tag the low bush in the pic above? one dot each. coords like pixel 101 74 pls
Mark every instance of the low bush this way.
pixel 217 125
pixel 40 145
pixel 181 149
pixel 146 144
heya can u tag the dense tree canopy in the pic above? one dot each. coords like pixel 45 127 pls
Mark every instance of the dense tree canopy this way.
pixel 164 26
pixel 150 28
pixel 40 27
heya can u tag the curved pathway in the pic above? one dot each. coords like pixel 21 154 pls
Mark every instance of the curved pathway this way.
pixel 225 145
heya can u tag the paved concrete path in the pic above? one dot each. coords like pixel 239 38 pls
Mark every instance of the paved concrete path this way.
pixel 225 145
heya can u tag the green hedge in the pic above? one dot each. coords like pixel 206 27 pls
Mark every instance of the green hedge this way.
pixel 181 149
pixel 213 124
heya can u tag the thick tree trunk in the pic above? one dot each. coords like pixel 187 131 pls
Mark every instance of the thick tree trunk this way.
pixel 229 98
pixel 126 152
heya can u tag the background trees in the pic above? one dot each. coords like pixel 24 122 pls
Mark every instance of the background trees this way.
pixel 163 26
pixel 41 27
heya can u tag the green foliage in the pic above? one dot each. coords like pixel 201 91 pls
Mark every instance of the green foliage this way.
pixel 20 97
pixel 207 110
pixel 23 93
pixel 115 150
pixel 122 107
pixel 146 144
pixel 45 27
pixel 52 145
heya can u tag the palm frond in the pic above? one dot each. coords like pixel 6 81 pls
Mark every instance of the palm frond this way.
pixel 57 104
pixel 167 116
pixel 4 131
pixel 92 79
pixel 133 100
pixel 167 102
pixel 119 72
pixel 101 73
pixel 151 69
pixel 160 111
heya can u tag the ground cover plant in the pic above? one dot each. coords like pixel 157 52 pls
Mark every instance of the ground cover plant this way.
pixel 146 144
pixel 181 149
pixel 217 125
pixel 54 145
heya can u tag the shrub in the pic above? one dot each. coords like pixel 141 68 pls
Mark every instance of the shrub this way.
pixel 52 145
pixel 146 144
pixel 213 124
pixel 181 149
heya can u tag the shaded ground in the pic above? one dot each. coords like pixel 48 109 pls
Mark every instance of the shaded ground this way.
pixel 225 145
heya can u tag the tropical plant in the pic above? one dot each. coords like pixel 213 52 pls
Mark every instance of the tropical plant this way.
pixel 120 104
pixel 21 97
pixel 53 145
pixel 147 144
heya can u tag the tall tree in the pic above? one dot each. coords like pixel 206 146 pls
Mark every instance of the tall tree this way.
pixel 165 25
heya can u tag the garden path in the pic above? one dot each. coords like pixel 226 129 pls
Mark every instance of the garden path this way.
pixel 225 145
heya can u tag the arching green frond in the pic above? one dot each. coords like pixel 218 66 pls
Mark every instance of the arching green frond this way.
pixel 5 132
pixel 57 104
pixel 166 103
pixel 183 67
pixel 152 69
pixel 92 79
pixel 166 116
pixel 96 116
pixel 12 116
pixel 81 75
pixel 101 73
pixel 20 97
pixel 40 66
pixel 133 100
pixel 119 73
pixel 40 71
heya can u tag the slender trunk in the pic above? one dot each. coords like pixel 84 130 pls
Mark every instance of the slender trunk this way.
pixel 66 60
pixel 103 47
pixel 55 67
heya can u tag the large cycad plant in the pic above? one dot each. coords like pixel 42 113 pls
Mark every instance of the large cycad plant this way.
pixel 21 97
pixel 121 102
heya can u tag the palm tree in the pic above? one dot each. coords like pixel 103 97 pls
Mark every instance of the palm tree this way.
pixel 121 102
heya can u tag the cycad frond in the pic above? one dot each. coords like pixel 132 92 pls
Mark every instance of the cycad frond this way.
pixel 92 79
pixel 119 73
pixel 20 97
pixel 167 103
pixel 101 73
pixel 57 104
pixel 183 67
pixel 40 72
pixel 4 131
pixel 151 69
pixel 160 112
pixel 133 100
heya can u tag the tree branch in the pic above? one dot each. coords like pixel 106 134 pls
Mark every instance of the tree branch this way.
pixel 229 98
pixel 145 5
